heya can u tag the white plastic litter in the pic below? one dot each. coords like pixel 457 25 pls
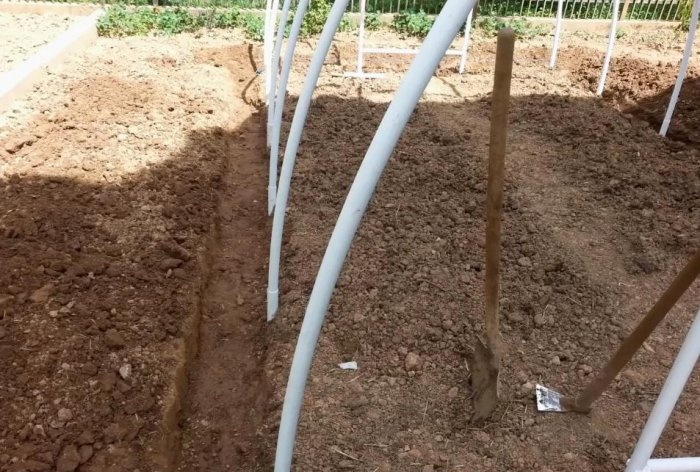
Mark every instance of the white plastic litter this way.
pixel 348 365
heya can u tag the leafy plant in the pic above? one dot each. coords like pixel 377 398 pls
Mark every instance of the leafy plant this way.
pixel 346 24
pixel 522 28
pixel 119 21
pixel 253 26
pixel 176 21
pixel 226 19
pixel 373 21
pixel 413 24
pixel 315 18
pixel 685 10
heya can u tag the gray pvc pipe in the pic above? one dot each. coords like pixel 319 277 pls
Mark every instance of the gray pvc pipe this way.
pixel 290 152
pixel 446 27
pixel 684 68
pixel 275 126
pixel 273 102
pixel 673 387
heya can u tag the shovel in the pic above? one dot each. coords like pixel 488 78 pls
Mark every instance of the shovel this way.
pixel 485 362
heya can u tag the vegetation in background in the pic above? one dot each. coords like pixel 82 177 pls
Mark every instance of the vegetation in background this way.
pixel 521 27
pixel 373 21
pixel 122 21
pixel 685 9
pixel 416 24
pixel 315 18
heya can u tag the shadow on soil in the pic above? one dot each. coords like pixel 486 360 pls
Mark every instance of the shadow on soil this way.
pixel 121 275
pixel 96 275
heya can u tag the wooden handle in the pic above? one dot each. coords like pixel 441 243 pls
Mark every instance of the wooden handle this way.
pixel 494 193
pixel 634 341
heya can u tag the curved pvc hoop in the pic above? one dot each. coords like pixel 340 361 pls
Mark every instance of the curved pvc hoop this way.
pixel 557 34
pixel 611 45
pixel 684 68
pixel 290 152
pixel 446 27
pixel 465 44
pixel 686 359
pixel 273 102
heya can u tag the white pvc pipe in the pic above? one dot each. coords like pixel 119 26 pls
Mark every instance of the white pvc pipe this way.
pixel 557 33
pixel 290 151
pixel 611 45
pixel 361 37
pixel 684 68
pixel 267 58
pixel 449 52
pixel 446 27
pixel 465 44
pixel 676 464
pixel 673 387
pixel 273 99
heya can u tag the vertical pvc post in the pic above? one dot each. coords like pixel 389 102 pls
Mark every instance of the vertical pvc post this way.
pixel 609 50
pixel 267 57
pixel 557 34
pixel 684 68
pixel 446 27
pixel 465 44
pixel 673 387
pixel 290 151
pixel 361 37
pixel 272 125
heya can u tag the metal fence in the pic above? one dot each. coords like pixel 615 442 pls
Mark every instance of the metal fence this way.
pixel 663 10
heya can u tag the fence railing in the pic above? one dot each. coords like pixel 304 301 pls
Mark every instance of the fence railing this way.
pixel 660 10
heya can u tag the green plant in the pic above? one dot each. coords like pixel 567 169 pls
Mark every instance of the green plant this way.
pixel 685 9
pixel 315 18
pixel 522 28
pixel 226 19
pixel 346 24
pixel 253 26
pixel 373 21
pixel 413 24
pixel 176 21
pixel 120 21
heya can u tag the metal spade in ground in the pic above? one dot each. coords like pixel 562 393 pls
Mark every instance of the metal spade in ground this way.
pixel 485 362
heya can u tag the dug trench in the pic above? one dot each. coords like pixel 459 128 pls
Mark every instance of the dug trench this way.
pixel 109 273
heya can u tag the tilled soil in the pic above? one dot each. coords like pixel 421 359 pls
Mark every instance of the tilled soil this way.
pixel 111 175
pixel 600 213
pixel 134 235
pixel 21 35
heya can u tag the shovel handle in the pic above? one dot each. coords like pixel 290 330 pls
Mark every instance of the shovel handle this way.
pixel 494 192
pixel 634 341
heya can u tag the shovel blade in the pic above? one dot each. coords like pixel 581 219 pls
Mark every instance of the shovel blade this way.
pixel 485 366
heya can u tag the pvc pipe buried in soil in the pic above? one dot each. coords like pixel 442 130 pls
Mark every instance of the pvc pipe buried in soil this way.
pixel 684 68
pixel 447 25
pixel 290 151
pixel 673 387
pixel 273 103
pixel 611 45
pixel 557 34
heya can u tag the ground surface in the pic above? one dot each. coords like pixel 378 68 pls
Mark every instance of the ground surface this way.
pixel 132 182
pixel 22 35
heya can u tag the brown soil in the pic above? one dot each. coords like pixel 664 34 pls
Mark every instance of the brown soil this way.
pixel 133 234
pixel 22 35
pixel 600 213
pixel 112 173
